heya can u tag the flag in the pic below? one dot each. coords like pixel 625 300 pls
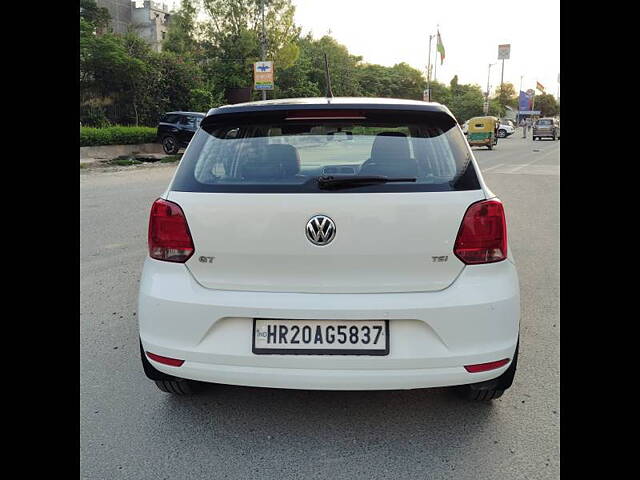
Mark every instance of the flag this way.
pixel 540 87
pixel 440 48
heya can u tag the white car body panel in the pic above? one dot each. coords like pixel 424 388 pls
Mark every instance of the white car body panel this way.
pixel 432 334
pixel 384 242
pixel 442 316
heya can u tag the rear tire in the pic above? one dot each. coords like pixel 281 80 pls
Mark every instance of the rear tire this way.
pixel 168 383
pixel 491 389
pixel 482 395
pixel 502 133
pixel 179 386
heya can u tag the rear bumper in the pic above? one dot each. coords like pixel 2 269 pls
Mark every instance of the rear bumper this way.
pixel 432 334
pixel 544 133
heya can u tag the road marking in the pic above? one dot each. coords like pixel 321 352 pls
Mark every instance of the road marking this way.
pixel 528 169
pixel 537 159
pixel 491 168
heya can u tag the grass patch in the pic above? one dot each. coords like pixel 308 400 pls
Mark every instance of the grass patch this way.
pixel 116 135
pixel 171 158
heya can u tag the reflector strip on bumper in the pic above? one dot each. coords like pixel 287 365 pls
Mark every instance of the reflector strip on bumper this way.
pixel 174 362
pixel 483 367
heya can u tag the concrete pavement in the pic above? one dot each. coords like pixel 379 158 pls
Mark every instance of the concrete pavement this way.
pixel 129 429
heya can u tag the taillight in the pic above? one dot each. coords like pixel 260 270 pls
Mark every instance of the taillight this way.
pixel 169 236
pixel 482 237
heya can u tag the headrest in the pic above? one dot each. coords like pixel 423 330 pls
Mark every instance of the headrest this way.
pixel 390 147
pixel 271 162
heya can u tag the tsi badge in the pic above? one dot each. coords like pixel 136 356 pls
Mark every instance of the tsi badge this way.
pixel 442 258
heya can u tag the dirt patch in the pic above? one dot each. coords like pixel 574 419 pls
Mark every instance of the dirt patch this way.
pixel 126 162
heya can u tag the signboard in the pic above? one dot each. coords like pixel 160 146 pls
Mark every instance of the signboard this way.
pixel 529 112
pixel 525 101
pixel 504 51
pixel 263 76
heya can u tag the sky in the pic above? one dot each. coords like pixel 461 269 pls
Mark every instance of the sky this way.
pixel 387 32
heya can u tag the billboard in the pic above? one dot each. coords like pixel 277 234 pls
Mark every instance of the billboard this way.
pixel 504 51
pixel 525 102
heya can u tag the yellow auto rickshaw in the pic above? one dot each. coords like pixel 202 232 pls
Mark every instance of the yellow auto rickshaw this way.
pixel 483 132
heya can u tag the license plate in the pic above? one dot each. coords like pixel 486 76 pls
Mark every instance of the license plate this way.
pixel 320 337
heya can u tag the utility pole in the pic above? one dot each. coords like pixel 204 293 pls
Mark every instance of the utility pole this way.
pixel 435 59
pixel 486 99
pixel 502 75
pixel 263 45
pixel 518 118
pixel 429 70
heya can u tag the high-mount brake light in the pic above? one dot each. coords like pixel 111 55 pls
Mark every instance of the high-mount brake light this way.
pixel 482 237
pixel 326 115
pixel 169 236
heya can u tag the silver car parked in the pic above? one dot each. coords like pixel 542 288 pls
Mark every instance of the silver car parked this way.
pixel 546 127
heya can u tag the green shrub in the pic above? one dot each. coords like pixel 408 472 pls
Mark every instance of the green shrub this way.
pixel 117 135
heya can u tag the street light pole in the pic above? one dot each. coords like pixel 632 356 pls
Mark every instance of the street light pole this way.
pixel 429 71
pixel 486 99
pixel 518 119
pixel 435 59
pixel 263 45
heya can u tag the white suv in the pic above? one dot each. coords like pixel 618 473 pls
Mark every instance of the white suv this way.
pixel 332 244
pixel 506 128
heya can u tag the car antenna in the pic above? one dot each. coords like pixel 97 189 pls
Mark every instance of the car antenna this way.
pixel 326 72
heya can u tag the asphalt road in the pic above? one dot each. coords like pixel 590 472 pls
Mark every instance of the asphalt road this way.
pixel 131 430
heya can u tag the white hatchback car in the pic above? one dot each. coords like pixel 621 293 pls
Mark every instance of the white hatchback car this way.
pixel 331 244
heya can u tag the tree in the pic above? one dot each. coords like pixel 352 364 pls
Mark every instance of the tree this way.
pixel 467 103
pixel 91 14
pixel 440 93
pixel 233 18
pixel 506 95
pixel 547 105
pixel 342 66
pixel 182 30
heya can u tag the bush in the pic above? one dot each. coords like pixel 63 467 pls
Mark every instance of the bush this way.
pixel 90 137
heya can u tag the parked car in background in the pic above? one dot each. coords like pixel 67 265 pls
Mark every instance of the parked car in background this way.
pixel 506 128
pixel 546 128
pixel 176 129
pixel 330 244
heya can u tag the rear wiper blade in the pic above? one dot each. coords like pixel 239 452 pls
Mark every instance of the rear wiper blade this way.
pixel 346 181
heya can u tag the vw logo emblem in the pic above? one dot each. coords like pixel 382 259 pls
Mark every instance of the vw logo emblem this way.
pixel 320 230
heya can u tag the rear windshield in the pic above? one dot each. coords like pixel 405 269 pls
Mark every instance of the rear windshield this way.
pixel 289 152
pixel 545 122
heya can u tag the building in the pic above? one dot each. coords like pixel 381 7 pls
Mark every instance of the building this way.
pixel 150 20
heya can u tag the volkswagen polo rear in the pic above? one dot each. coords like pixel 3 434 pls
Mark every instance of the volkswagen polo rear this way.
pixel 348 244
